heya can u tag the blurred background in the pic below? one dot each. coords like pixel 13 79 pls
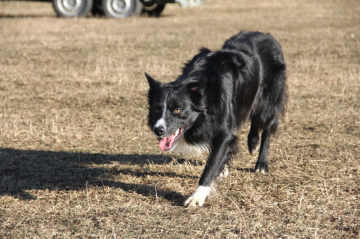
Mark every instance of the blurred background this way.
pixel 78 160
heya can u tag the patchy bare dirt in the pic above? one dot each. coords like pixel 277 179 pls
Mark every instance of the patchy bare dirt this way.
pixel 76 156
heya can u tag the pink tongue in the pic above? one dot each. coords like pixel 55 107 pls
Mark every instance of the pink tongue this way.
pixel 166 143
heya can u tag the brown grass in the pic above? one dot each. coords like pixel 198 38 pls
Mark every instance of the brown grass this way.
pixel 78 161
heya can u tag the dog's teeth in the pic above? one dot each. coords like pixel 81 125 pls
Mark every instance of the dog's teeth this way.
pixel 177 132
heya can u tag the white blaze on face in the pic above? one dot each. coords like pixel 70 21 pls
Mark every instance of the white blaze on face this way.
pixel 161 121
pixel 198 197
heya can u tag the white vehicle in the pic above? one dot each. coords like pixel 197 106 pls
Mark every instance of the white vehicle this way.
pixel 115 8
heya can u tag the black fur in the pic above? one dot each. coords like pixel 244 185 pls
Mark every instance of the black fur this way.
pixel 217 92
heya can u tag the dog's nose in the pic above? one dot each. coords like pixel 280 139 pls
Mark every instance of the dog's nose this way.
pixel 159 131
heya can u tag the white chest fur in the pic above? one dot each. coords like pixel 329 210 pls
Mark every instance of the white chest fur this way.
pixel 185 148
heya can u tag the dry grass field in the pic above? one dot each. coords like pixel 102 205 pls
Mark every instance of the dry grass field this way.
pixel 78 161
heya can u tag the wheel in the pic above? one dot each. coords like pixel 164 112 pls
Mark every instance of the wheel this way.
pixel 72 8
pixel 153 9
pixel 121 8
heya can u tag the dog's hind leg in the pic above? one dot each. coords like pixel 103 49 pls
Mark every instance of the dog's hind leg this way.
pixel 262 162
pixel 253 138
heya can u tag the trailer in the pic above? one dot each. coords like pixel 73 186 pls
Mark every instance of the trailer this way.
pixel 115 8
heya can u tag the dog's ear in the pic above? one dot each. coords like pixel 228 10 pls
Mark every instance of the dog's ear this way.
pixel 152 82
pixel 202 53
pixel 196 86
pixel 227 60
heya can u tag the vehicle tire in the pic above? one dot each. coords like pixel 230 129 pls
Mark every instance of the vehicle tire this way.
pixel 72 8
pixel 121 8
pixel 154 10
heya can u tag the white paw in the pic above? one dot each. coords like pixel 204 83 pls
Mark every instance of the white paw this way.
pixel 262 170
pixel 198 197
pixel 223 175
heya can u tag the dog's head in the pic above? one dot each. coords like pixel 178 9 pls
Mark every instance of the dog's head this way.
pixel 173 110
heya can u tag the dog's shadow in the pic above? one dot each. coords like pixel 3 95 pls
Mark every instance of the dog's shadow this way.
pixel 248 170
pixel 22 170
pixel 13 16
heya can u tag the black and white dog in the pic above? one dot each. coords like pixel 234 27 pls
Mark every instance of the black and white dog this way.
pixel 214 96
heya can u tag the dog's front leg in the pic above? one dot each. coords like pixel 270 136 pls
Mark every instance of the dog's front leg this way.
pixel 221 149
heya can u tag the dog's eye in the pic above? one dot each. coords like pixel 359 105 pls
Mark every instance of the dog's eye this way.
pixel 157 111
pixel 177 111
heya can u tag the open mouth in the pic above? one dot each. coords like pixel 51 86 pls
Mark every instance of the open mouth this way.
pixel 168 143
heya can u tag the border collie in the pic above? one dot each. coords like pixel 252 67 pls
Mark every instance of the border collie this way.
pixel 214 96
